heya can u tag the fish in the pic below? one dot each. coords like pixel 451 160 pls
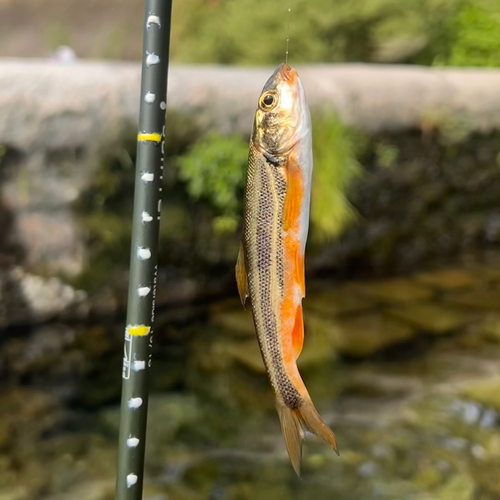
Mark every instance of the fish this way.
pixel 270 264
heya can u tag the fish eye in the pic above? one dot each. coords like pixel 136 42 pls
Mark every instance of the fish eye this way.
pixel 268 101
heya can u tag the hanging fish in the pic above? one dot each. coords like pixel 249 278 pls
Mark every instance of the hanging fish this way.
pixel 270 265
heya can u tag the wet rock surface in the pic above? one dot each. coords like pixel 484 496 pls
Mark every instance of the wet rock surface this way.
pixel 27 299
pixel 410 383
pixel 421 209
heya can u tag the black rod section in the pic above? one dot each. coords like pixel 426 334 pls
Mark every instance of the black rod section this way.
pixel 144 250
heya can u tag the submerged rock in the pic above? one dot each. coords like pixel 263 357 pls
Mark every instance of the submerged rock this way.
pixel 490 327
pixel 341 300
pixel 321 341
pixel 371 332
pixel 432 317
pixel 235 321
pixel 480 298
pixel 398 290
pixel 448 279
pixel 488 271
pixel 247 353
pixel 320 344
pixel 459 487
pixel 486 392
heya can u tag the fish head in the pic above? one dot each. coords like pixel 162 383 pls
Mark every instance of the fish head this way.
pixel 282 118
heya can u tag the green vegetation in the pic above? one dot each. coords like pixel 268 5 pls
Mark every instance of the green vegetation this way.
pixel 335 166
pixel 456 32
pixel 214 170
pixel 57 34
pixel 428 32
pixel 477 35
pixel 386 154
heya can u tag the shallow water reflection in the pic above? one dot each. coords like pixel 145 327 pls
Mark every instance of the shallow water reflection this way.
pixel 406 371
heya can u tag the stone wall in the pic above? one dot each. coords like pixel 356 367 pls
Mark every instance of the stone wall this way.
pixel 436 193
pixel 424 199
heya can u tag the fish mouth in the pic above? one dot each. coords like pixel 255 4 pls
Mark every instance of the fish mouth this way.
pixel 287 73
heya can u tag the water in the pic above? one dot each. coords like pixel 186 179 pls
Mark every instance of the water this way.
pixel 406 371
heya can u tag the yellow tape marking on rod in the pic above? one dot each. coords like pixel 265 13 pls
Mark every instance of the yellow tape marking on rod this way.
pixel 149 137
pixel 138 330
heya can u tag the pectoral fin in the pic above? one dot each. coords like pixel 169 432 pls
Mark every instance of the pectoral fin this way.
pixel 241 276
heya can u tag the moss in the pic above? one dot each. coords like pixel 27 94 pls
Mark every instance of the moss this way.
pixel 335 168
pixel 387 155
pixel 214 170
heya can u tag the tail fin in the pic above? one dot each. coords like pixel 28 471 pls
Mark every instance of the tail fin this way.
pixel 295 422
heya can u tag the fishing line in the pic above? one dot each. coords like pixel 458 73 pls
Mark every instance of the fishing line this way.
pixel 288 32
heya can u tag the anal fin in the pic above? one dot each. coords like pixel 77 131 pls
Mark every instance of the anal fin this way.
pixel 298 332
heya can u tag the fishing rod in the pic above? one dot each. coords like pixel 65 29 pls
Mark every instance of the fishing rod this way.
pixel 138 339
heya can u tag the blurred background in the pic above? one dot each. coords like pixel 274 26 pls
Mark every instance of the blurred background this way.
pixel 402 312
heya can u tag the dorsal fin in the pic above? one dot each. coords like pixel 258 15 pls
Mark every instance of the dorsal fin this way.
pixel 241 275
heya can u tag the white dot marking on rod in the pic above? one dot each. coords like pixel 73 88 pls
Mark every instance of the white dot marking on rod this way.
pixel 132 442
pixel 150 98
pixel 143 291
pixel 152 59
pixel 163 105
pixel 147 177
pixel 143 253
pixel 131 480
pixel 146 217
pixel 137 365
pixel 134 403
pixel 152 19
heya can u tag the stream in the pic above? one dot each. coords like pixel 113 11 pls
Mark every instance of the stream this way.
pixel 406 371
